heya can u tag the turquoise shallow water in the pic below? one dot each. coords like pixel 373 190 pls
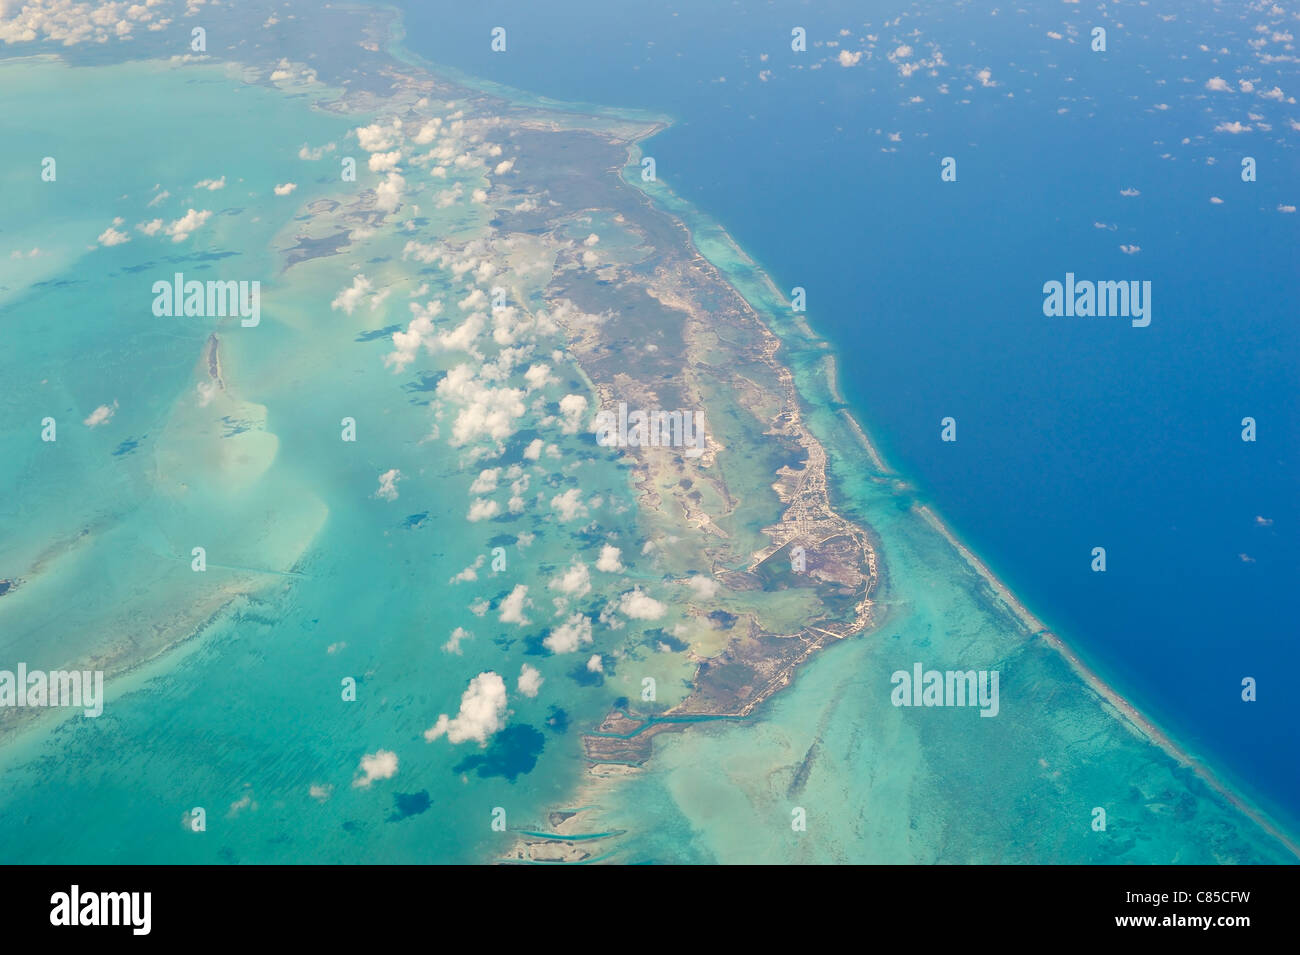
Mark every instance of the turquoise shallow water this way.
pixel 310 577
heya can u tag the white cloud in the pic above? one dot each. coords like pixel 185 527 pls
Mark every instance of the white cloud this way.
pixel 181 228
pixel 539 376
pixel 702 587
pixel 485 412
pixel 284 188
pixel 641 606
pixel 212 185
pixel 575 581
pixel 375 137
pixel 595 664
pixel 388 194
pixel 568 505
pixel 381 764
pixel 486 482
pixel 111 237
pixel 512 608
pixel 569 636
pixel 609 561
pixel 483 509
pixel 388 485
pixel 1218 84
pixel 530 681
pixel 847 58
pixel 482 712
pixel 101 415
pixel 351 297
pixel 427 132
pixel 384 162
pixel 320 792
pixel 453 642
pixel 306 152
pixel 572 408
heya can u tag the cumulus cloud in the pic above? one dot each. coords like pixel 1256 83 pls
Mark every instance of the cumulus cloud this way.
pixel 307 152
pixel 609 561
pixel 568 505
pixel 388 485
pixel 512 608
pixel 385 162
pixel 641 606
pixel 453 642
pixel 419 332
pixel 388 194
pixel 212 185
pixel 320 791
pixel 595 664
pixel 111 236
pixel 381 764
pixel 702 587
pixel 484 411
pixel 284 188
pixel 570 636
pixel 530 681
pixel 539 376
pixel 847 58
pixel 486 482
pixel 101 415
pixel 1218 84
pixel 482 712
pixel 483 509
pixel 377 137
pixel 181 229
pixel 575 581
pixel 572 409
pixel 352 296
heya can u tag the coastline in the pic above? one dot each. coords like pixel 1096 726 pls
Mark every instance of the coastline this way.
pixel 1129 713
pixel 1126 712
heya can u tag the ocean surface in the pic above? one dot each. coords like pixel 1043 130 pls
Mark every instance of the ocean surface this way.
pixel 1073 433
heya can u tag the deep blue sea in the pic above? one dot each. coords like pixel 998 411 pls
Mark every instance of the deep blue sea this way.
pixel 1072 433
